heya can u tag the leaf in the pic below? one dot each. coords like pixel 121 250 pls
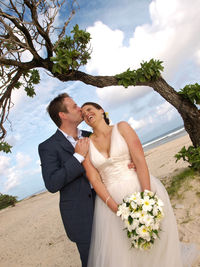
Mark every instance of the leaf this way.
pixel 72 51
pixel 53 59
pixel 191 155
pixel 35 76
pixel 5 147
pixel 17 85
pixel 30 91
pixel 191 92
pixel 142 79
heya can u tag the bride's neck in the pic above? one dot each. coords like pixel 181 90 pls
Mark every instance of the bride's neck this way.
pixel 101 129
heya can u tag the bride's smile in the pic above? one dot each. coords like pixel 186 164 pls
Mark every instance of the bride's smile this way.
pixel 91 115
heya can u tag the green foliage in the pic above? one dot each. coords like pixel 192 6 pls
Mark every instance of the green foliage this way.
pixel 9 46
pixel 130 219
pixel 7 200
pixel 178 180
pixel 191 92
pixel 32 77
pixel 5 147
pixel 17 85
pixel 191 155
pixel 72 51
pixel 149 71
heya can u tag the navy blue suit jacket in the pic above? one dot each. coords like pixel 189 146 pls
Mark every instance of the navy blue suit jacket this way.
pixel 63 172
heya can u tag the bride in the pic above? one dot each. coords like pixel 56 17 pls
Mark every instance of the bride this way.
pixel 111 148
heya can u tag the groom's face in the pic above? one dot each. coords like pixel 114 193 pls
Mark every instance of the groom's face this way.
pixel 74 113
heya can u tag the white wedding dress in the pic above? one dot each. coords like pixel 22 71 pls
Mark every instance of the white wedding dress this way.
pixel 110 246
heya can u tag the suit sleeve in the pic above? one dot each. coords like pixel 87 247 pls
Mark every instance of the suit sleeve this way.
pixel 55 175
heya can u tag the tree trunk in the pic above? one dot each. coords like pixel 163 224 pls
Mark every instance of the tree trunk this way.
pixel 188 111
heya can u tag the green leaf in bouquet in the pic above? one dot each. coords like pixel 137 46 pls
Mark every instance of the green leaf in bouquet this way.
pixel 130 219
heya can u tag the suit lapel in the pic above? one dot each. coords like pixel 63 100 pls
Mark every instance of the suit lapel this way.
pixel 66 145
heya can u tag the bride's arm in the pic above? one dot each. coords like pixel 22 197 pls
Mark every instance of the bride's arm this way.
pixel 137 154
pixel 95 179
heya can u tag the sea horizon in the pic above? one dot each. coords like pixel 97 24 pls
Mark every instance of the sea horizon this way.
pixel 164 138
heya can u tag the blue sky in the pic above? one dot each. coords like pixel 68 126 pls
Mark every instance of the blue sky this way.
pixel 123 34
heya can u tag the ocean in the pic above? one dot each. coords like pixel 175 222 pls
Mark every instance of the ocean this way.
pixel 166 137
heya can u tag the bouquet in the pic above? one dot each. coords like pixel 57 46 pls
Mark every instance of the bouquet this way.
pixel 141 213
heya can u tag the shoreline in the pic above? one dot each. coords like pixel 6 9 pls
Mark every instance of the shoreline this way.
pixel 32 233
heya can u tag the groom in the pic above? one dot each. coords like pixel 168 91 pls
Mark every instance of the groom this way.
pixel 61 157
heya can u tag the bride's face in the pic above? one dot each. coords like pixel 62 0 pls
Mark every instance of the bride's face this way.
pixel 91 115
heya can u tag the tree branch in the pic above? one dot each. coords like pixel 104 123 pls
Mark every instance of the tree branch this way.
pixel 98 81
pixel 22 65
pixel 34 14
pixel 5 102
pixel 64 28
pixel 24 30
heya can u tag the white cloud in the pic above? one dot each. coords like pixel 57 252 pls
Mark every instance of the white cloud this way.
pixel 172 36
pixel 137 124
pixel 107 50
pixel 4 164
pixel 163 108
pixel 159 114
pixel 14 172
pixel 26 56
pixel 12 139
pixel 9 172
pixel 116 95
pixel 166 111
pixel 198 57
pixel 22 160
pixel 13 179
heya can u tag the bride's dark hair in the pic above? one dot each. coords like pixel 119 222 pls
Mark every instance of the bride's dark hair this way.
pixel 97 106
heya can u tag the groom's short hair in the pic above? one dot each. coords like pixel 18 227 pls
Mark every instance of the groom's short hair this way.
pixel 56 106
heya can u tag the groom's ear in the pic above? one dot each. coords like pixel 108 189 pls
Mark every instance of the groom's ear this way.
pixel 62 115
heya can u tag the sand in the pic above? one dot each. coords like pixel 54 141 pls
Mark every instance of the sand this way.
pixel 32 234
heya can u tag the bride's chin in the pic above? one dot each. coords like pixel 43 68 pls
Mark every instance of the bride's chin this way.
pixel 88 123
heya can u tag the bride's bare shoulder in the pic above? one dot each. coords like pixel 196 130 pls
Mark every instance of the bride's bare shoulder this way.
pixel 125 128
pixel 123 125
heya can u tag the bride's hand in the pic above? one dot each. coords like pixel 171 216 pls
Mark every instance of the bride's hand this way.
pixel 111 204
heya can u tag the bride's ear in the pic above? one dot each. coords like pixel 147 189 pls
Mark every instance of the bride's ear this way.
pixel 102 114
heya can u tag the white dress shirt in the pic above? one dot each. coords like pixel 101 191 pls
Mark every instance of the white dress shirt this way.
pixel 79 157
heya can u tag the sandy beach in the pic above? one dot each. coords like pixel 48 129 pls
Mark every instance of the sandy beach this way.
pixel 32 233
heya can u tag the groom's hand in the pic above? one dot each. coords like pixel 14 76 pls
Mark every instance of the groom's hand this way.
pixel 131 165
pixel 82 146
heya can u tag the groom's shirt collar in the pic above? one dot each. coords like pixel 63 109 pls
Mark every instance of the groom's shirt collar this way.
pixel 70 138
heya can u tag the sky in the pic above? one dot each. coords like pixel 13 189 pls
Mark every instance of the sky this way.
pixel 124 33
